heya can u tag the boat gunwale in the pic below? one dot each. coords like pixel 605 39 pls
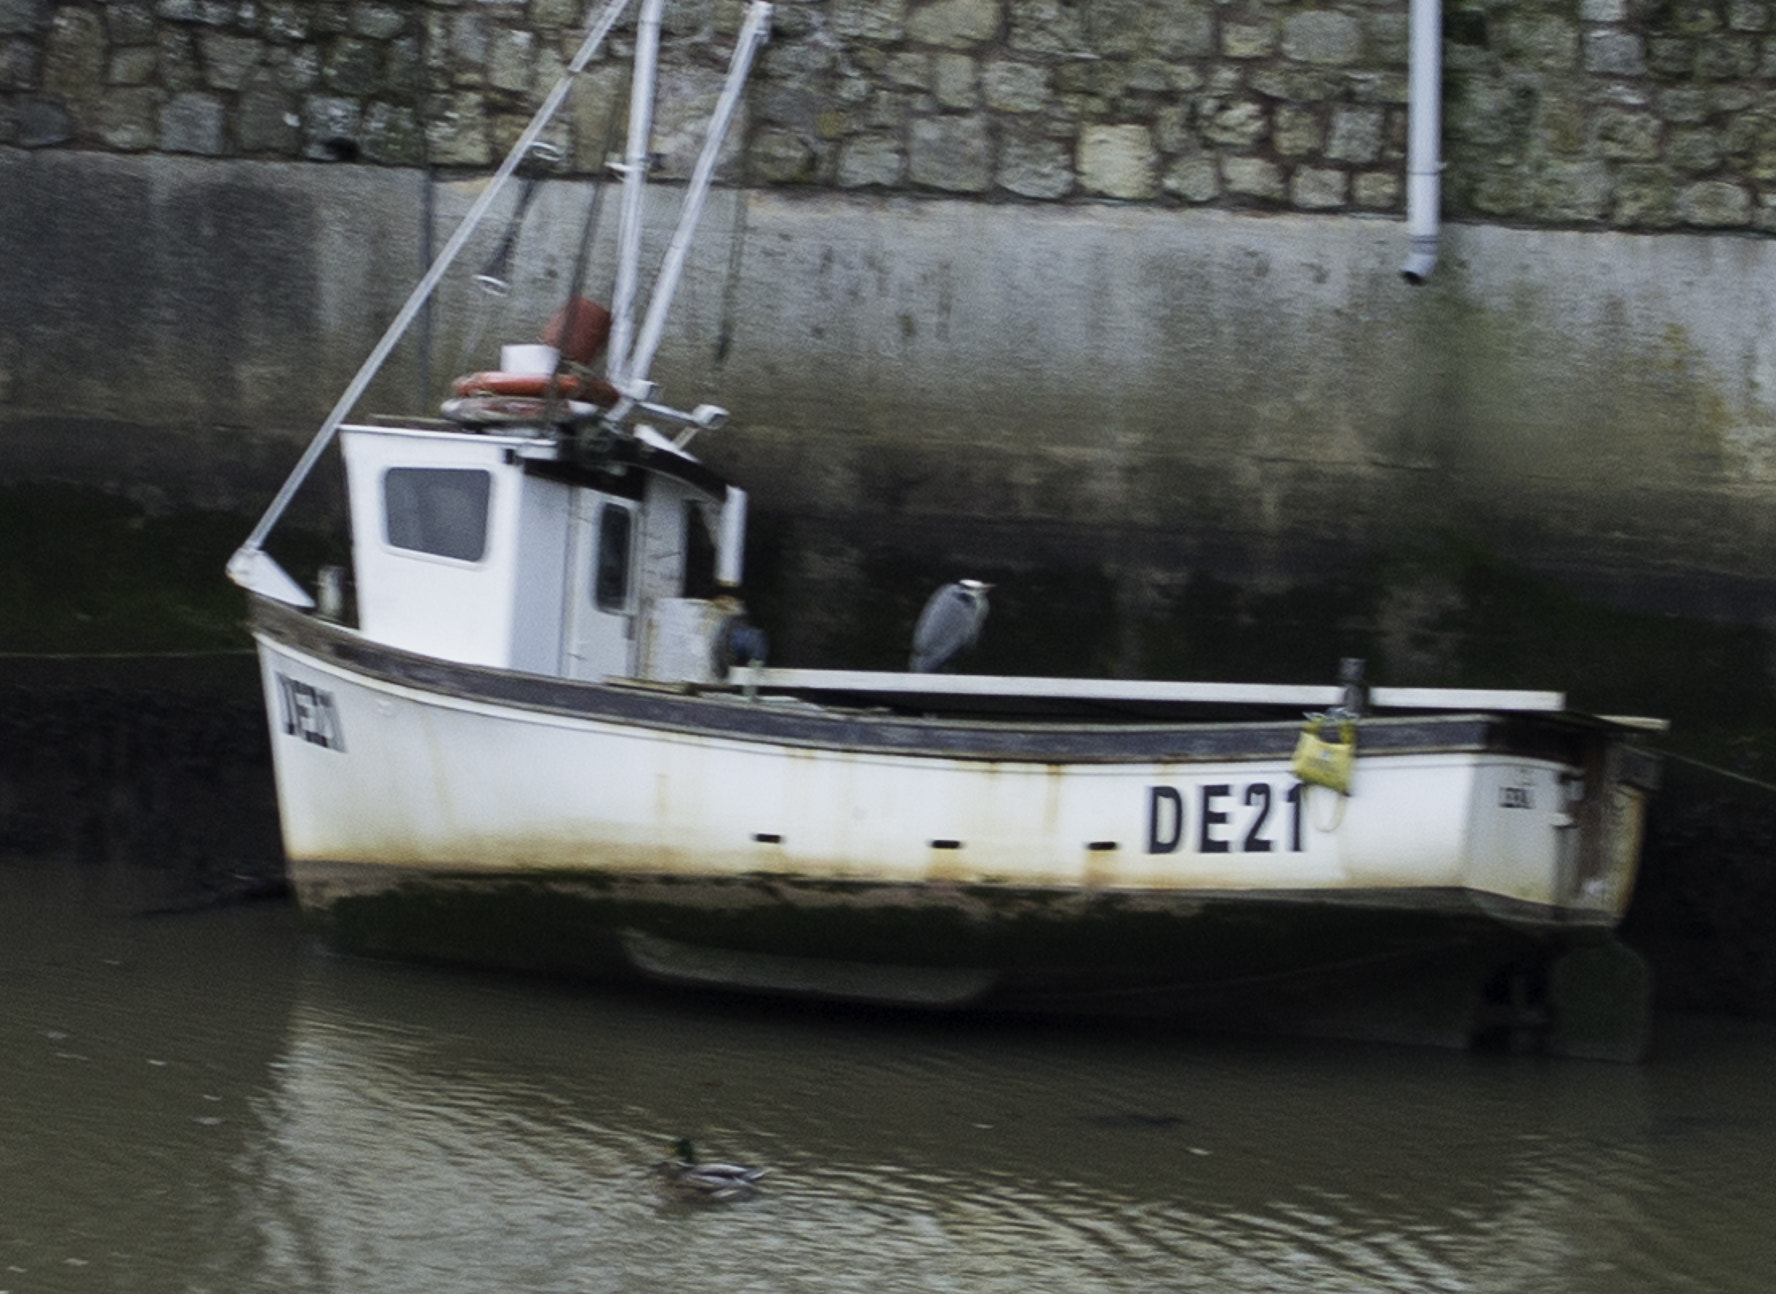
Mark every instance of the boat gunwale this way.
pixel 727 715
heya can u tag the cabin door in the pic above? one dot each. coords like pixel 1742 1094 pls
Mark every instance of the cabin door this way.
pixel 599 624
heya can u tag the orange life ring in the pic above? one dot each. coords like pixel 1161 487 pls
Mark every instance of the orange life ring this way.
pixel 513 410
pixel 536 386
pixel 531 384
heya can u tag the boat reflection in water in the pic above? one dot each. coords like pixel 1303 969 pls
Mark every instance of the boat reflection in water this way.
pixel 492 1136
pixel 205 1104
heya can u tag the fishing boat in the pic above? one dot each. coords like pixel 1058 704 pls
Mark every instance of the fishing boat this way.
pixel 548 739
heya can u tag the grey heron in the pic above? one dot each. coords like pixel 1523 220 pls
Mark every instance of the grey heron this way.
pixel 949 624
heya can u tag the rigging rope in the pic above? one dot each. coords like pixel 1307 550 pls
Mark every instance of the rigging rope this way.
pixel 1723 772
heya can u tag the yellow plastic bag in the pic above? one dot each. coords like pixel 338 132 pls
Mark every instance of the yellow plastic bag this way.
pixel 1326 753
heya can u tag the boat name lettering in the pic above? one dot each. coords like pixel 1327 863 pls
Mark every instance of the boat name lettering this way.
pixel 1229 820
pixel 309 713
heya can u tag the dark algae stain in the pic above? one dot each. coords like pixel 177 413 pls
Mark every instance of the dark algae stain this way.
pixel 1493 624
pixel 82 570
pixel 85 571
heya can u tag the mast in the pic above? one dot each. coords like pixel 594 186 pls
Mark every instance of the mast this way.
pixel 753 33
pixel 634 168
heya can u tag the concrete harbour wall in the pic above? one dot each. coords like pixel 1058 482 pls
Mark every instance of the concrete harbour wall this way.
pixel 1145 392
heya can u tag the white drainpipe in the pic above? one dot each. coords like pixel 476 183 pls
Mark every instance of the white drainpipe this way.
pixel 1424 166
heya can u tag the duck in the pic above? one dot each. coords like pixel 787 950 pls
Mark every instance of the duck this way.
pixel 683 1178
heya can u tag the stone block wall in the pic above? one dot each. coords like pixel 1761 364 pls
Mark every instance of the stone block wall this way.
pixel 1620 114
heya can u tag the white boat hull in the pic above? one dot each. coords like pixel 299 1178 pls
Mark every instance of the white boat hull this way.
pixel 457 812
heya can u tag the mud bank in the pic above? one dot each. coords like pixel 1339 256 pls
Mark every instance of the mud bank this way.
pixel 169 772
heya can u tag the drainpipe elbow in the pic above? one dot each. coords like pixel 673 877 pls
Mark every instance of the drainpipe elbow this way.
pixel 1420 261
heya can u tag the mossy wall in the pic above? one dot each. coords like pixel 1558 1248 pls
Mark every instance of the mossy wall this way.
pixel 1578 113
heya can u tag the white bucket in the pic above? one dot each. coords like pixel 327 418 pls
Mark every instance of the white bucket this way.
pixel 539 361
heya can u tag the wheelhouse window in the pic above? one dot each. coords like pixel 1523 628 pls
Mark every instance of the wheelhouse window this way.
pixel 437 510
pixel 610 579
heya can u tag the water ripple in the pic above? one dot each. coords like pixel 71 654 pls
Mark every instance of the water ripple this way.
pixel 247 1116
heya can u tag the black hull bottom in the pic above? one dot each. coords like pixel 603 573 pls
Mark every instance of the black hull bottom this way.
pixel 1441 967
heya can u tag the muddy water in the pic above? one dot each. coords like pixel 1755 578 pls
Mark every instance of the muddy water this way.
pixel 204 1102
